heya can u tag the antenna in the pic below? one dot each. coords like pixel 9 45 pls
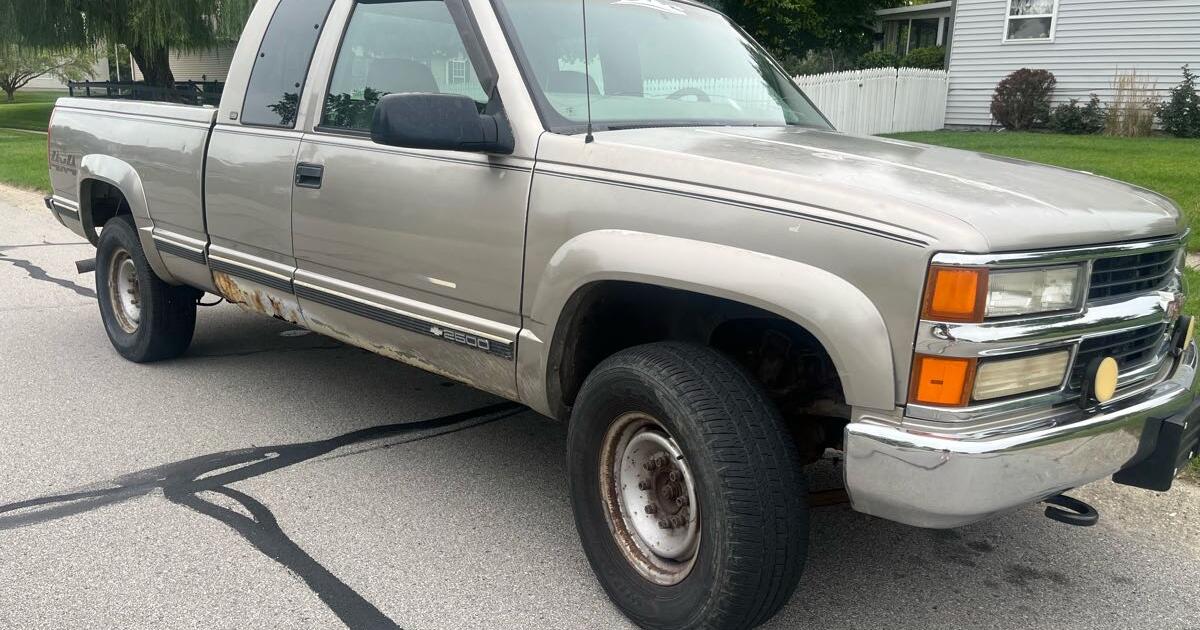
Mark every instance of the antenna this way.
pixel 587 76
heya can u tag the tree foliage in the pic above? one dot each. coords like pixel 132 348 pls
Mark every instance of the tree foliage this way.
pixel 790 28
pixel 149 28
pixel 20 65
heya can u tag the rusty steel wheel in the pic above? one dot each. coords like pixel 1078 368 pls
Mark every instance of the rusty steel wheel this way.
pixel 687 489
pixel 123 291
pixel 650 499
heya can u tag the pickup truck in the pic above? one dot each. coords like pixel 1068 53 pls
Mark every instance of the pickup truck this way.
pixel 643 228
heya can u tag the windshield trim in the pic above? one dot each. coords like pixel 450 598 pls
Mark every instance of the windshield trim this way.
pixel 554 122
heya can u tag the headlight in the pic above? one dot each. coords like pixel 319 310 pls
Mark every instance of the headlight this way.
pixel 998 378
pixel 1027 291
pixel 969 294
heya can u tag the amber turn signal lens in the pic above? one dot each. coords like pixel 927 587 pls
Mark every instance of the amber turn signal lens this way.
pixel 955 294
pixel 942 381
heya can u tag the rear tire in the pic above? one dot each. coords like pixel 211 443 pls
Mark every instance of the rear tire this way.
pixel 146 319
pixel 686 414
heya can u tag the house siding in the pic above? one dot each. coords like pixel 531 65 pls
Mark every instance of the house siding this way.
pixel 212 64
pixel 99 72
pixel 1093 39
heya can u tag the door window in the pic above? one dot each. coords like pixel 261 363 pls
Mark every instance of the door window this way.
pixel 392 48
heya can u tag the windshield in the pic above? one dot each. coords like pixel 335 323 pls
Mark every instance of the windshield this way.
pixel 651 63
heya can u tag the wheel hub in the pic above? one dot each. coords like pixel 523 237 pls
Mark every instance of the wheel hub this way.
pixel 651 499
pixel 124 292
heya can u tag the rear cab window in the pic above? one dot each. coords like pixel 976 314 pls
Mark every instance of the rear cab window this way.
pixel 277 79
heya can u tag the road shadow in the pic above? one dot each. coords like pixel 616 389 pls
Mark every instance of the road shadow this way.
pixel 186 482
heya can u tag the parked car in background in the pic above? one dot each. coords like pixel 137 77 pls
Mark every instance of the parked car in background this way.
pixel 712 288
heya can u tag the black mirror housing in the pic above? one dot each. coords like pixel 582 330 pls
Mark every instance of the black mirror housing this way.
pixel 449 122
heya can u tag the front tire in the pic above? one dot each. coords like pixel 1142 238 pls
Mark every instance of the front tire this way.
pixel 687 489
pixel 146 319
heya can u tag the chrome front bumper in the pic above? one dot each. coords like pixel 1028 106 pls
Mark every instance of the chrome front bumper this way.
pixel 927 480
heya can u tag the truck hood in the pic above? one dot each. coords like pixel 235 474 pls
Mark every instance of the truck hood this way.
pixel 963 201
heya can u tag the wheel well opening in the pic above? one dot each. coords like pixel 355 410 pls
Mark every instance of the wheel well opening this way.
pixel 101 201
pixel 788 361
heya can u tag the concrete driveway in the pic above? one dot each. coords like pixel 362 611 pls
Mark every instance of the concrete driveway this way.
pixel 274 479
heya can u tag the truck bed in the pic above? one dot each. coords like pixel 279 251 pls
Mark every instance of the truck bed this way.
pixel 156 149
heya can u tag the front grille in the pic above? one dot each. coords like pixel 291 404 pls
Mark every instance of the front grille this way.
pixel 1131 349
pixel 1136 273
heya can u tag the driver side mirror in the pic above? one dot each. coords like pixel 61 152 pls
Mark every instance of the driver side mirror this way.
pixel 449 122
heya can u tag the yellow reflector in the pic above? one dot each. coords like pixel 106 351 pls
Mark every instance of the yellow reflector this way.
pixel 942 381
pixel 1009 377
pixel 1107 375
pixel 1191 333
pixel 955 294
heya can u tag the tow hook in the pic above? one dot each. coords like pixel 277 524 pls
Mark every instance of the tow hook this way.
pixel 87 265
pixel 1071 511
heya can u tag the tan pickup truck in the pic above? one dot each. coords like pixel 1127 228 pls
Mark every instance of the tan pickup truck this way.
pixel 650 233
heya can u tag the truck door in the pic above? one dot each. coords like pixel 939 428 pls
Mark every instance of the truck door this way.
pixel 252 157
pixel 415 254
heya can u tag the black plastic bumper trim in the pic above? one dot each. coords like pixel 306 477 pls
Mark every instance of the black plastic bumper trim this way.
pixel 1176 441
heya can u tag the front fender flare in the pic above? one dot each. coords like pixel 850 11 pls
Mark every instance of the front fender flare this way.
pixel 124 177
pixel 837 313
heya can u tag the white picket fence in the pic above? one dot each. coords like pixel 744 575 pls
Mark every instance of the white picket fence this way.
pixel 881 100
pixel 863 102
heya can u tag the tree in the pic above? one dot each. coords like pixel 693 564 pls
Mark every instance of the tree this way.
pixel 793 27
pixel 150 29
pixel 19 66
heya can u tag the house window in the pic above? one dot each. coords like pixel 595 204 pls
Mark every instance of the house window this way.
pixel 457 69
pixel 1030 20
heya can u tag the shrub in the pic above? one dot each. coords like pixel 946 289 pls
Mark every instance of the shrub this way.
pixel 1022 100
pixel 1181 115
pixel 1131 113
pixel 1073 119
pixel 930 58
pixel 878 59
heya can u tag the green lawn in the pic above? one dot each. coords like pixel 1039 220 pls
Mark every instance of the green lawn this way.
pixel 23 160
pixel 1165 165
pixel 30 110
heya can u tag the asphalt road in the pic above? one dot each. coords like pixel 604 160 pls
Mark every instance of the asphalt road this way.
pixel 266 479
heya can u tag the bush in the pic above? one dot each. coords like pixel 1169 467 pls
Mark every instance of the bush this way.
pixel 1181 115
pixel 930 58
pixel 1073 119
pixel 878 59
pixel 1022 100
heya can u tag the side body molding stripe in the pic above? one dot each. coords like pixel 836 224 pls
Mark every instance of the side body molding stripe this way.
pixel 500 349
pixel 253 275
pixel 167 247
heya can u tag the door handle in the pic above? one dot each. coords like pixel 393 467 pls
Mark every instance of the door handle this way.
pixel 309 175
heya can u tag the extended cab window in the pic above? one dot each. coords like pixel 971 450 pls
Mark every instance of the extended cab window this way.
pixel 396 47
pixel 277 80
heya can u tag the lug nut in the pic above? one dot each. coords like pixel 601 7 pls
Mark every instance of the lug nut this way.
pixel 652 509
pixel 681 501
pixel 643 485
pixel 674 476
pixel 662 523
